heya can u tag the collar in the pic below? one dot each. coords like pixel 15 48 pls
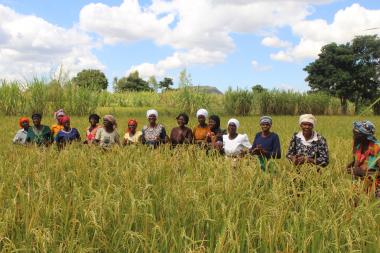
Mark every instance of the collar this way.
pixel 307 142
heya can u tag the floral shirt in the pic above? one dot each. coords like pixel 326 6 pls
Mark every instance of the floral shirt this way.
pixel 153 135
pixel 315 148
pixel 369 157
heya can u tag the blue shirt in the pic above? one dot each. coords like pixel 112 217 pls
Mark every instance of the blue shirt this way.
pixel 64 136
pixel 271 144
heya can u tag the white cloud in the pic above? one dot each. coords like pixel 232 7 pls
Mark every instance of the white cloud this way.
pixel 349 22
pixel 274 41
pixel 179 60
pixel 31 47
pixel 260 68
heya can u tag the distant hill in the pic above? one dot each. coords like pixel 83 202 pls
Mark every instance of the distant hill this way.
pixel 207 89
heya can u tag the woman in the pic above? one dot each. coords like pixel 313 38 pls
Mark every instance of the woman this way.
pixel 216 133
pixel 366 153
pixel 39 134
pixel 20 137
pixel 201 131
pixel 266 144
pixel 235 144
pixel 181 134
pixel 57 127
pixel 153 134
pixel 107 136
pixel 307 146
pixel 92 129
pixel 67 134
pixel 132 136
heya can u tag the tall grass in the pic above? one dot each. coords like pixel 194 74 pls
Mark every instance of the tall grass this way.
pixel 136 199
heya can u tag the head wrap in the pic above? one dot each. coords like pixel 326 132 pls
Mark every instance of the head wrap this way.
pixel 185 117
pixel 132 122
pixel 23 120
pixel 64 119
pixel 202 112
pixel 216 119
pixel 59 113
pixel 266 120
pixel 94 116
pixel 37 115
pixel 307 118
pixel 151 112
pixel 110 119
pixel 235 122
pixel 365 127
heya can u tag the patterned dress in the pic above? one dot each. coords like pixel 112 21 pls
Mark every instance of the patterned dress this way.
pixel 153 136
pixel 315 148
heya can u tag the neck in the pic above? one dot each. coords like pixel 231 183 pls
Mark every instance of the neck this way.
pixel 67 129
pixel 307 135
pixel 153 124
pixel 265 133
pixel 202 124
pixel 233 135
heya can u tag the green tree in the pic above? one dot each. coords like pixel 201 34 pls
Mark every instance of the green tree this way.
pixel 166 84
pixel 133 82
pixel 258 88
pixel 153 84
pixel 348 71
pixel 93 79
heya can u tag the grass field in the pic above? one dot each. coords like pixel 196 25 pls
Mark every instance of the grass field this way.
pixel 140 200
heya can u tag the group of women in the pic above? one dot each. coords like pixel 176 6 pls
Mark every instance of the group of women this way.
pixel 306 146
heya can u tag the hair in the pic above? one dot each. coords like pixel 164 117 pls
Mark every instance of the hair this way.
pixel 216 119
pixel 37 115
pixel 94 116
pixel 185 117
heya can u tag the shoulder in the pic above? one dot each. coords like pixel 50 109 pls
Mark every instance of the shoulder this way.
pixel 46 128
pixel 321 138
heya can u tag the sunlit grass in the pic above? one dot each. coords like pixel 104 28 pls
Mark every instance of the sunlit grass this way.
pixel 136 199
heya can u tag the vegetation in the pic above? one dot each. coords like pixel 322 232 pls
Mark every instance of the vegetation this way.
pixel 92 79
pixel 136 199
pixel 349 71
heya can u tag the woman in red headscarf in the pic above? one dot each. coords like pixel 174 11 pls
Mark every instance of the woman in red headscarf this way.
pixel 20 137
pixel 132 136
pixel 67 134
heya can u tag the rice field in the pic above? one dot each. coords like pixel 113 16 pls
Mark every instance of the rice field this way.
pixel 135 199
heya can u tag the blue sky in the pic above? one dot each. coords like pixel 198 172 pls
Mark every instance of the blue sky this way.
pixel 223 43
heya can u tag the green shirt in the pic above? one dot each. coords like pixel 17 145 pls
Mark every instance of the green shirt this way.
pixel 39 137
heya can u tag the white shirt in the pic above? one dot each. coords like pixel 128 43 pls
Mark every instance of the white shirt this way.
pixel 235 146
pixel 20 137
pixel 305 142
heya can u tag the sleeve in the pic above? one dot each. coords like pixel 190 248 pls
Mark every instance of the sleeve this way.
pixel 15 139
pixel 117 137
pixel 143 135
pixel 49 134
pixel 163 134
pixel 98 134
pixel 292 148
pixel 322 158
pixel 57 138
pixel 276 152
pixel 254 144
pixel 245 141
pixel 77 134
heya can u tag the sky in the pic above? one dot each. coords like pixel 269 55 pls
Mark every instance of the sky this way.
pixel 221 43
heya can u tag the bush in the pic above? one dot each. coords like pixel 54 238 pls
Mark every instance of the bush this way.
pixel 238 102
pixel 11 100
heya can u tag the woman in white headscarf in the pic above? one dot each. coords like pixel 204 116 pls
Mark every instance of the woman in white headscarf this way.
pixel 235 144
pixel 153 134
pixel 307 146
pixel 201 131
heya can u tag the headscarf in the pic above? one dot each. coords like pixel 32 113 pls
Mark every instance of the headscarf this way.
pixel 94 116
pixel 185 117
pixel 217 121
pixel 23 120
pixel 234 121
pixel 151 112
pixel 64 119
pixel 111 119
pixel 366 128
pixel 36 115
pixel 307 118
pixel 59 113
pixel 202 112
pixel 266 120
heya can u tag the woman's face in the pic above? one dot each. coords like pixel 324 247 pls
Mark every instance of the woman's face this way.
pixel 265 127
pixel 93 121
pixel 232 128
pixel 25 125
pixel 202 119
pixel 181 121
pixel 107 123
pixel 307 128
pixel 36 121
pixel 212 123
pixel 132 128
pixel 152 119
pixel 358 137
